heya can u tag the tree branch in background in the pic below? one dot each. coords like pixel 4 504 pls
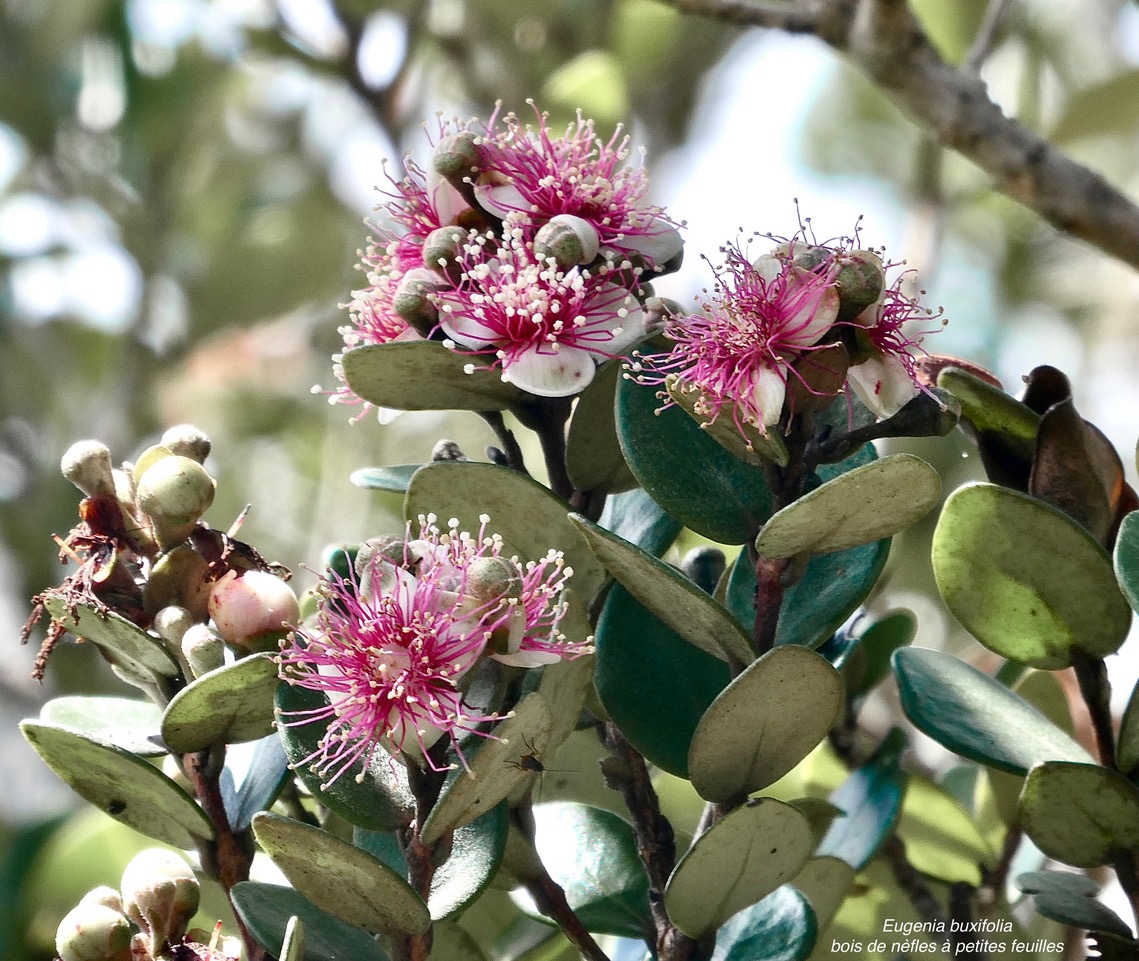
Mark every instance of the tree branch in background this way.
pixel 884 40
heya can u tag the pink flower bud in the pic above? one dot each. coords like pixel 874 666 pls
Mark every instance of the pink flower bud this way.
pixel 253 610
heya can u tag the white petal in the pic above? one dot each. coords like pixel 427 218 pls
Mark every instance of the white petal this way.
pixel 558 374
pixel 501 199
pixel 658 246
pixel 768 394
pixel 633 329
pixel 768 267
pixel 883 384
pixel 462 327
pixel 814 318
pixel 446 200
pixel 527 658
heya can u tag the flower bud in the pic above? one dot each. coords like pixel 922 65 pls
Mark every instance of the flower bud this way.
pixel 203 650
pixel 187 441
pixel 456 156
pixel 160 894
pixel 413 302
pixel 859 283
pixel 492 577
pixel 447 450
pixel 175 491
pixel 568 240
pixel 93 932
pixel 443 252
pixel 105 895
pixel 87 464
pixel 253 610
pixel 172 623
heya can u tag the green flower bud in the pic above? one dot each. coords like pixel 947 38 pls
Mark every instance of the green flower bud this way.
pixel 568 240
pixel 860 282
pixel 443 252
pixel 87 464
pixel 176 490
pixel 413 299
pixel 160 894
pixel 203 649
pixel 456 156
pixel 254 610
pixel 187 441
pixel 93 932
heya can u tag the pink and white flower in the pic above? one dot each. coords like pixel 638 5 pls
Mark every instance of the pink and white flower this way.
pixel 884 374
pixel 548 328
pixel 393 644
pixel 535 176
pixel 737 352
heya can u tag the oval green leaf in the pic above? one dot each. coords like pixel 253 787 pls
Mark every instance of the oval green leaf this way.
pixel 691 476
pixel 262 780
pixel 862 505
pixel 671 596
pixel 1025 579
pixel 594 460
pixel 635 517
pixel 976 716
pixel 653 684
pixel 592 854
pixel 530 519
pixel 764 723
pixel 819 603
pixel 1126 559
pixel 825 882
pixel 424 375
pixel 341 879
pixel 394 479
pixel 782 927
pixel 137 653
pixel 265 909
pixel 476 853
pixel 737 862
pixel 229 705
pixel 942 839
pixel 1084 815
pixel 493 772
pixel 871 800
pixel 121 784
pixel 379 800
pixel 1071 899
pixel 126 723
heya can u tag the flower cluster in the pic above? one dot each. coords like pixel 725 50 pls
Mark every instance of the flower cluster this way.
pixel 803 316
pixel 395 640
pixel 526 250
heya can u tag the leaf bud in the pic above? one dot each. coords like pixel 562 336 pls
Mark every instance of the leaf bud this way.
pixel 567 240
pixel 413 299
pixel 87 464
pixel 203 649
pixel 253 610
pixel 160 894
pixel 175 491
pixel 443 252
pixel 187 441
pixel 93 932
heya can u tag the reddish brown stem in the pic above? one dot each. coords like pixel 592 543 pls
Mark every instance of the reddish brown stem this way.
pixel 551 901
